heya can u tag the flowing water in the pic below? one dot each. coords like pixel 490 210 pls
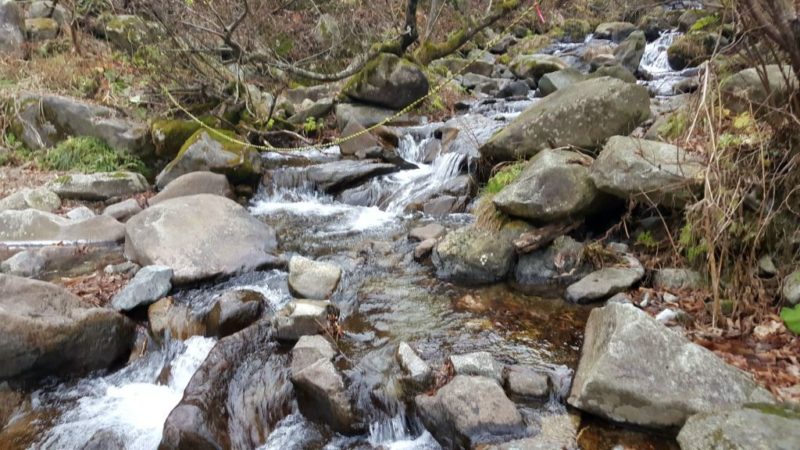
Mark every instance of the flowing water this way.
pixel 655 64
pixel 385 297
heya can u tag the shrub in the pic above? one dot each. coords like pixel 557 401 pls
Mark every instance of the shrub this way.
pixel 90 155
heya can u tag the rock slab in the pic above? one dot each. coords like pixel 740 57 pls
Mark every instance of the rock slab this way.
pixel 147 286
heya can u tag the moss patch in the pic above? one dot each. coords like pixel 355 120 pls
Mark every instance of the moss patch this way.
pixel 90 155
pixel 169 135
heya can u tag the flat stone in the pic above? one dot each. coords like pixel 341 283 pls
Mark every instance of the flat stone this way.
pixel 604 283
pixel 194 183
pixel 338 175
pixel 749 428
pixel 80 214
pixel 526 381
pixel 480 364
pixel 310 349
pixel 123 210
pixel 301 318
pixel 418 371
pixel 635 370
pixel 99 186
pixel 314 280
pixel 472 256
pixel 430 231
pixel 147 286
pixel 32 225
pixel 63 260
pixel 42 199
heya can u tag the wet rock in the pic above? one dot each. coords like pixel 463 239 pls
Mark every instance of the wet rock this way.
pixel 606 282
pixel 98 186
pixel 234 311
pixel 40 9
pixel 123 210
pixel 12 24
pixel 418 371
pixel 338 175
pixel 301 318
pixel 534 66
pixel 513 88
pixel 752 427
pixel 691 50
pixel 388 81
pixel 557 431
pixel 480 364
pixel 41 29
pixel 424 249
pixel 647 171
pixel 560 79
pixel 105 440
pixel 635 370
pixel 362 144
pixel 43 121
pixel 34 225
pixel 323 396
pixel 583 115
pixel 314 280
pixel 199 237
pixel 791 288
pixel 555 185
pixel 430 231
pixel 166 316
pixel 206 151
pixel 745 89
pixel 46 330
pixel 80 214
pixel 194 183
pixel 445 204
pixel 367 116
pixel 526 381
pixel 42 199
pixel 150 284
pixel 472 256
pixel 677 279
pixel 469 411
pixel 235 398
pixel 615 31
pixel 310 349
pixel 630 51
pixel 615 71
pixel 11 403
pixel 556 266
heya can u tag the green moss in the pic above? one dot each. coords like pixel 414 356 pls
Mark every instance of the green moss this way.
pixel 706 23
pixel 676 125
pixel 691 49
pixel 169 135
pixel 90 155
pixel 576 30
pixel 503 178
pixel 786 411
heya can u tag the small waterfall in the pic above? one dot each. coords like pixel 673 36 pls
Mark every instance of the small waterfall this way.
pixel 654 60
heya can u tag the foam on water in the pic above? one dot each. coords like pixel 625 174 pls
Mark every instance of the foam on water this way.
pixel 133 408
pixel 655 62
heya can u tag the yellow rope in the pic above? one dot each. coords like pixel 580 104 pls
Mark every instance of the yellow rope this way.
pixel 341 140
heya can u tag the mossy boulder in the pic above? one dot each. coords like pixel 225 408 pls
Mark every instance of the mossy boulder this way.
pixel 745 89
pixel 575 30
pixel 169 135
pixel 561 79
pixel 615 71
pixel 690 17
pixel 614 31
pixel 630 51
pixel 215 151
pixel 128 32
pixel 691 49
pixel 41 29
pixel 388 81
pixel 658 20
pixel 534 66
pixel 528 46
pixel 41 9
pixel 474 256
pixel 12 27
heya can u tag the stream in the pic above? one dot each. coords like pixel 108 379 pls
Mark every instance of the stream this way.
pixel 385 297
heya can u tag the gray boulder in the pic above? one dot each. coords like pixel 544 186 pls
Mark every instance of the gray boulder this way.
pixel 42 199
pixel 430 231
pixel 676 279
pixel 556 266
pixel 42 121
pixel 558 80
pixel 314 280
pixel 338 175
pixel 472 256
pixel 41 29
pixel 310 109
pixel 41 9
pixel 583 115
pixel 206 151
pixel 301 318
pixel 630 51
pixel 123 210
pixel 234 311
pixel 791 288
pixel 469 411
pixel 418 371
pixel 33 225
pixel 526 381
pixel 479 364
pixel 363 144
pixel 323 396
pixel 199 237
pixel 194 183
pixel 534 66
pixel 615 31
pixel 388 81
pixel 64 260
pixel 635 370
pixel 80 214
pixel 98 186
pixel 310 349
pixel 606 282
pixel 754 427
pixel 746 89
pixel 46 330
pixel 12 24
pixel 148 285
pixel 555 185
pixel 367 116
pixel 648 171
pixel 128 32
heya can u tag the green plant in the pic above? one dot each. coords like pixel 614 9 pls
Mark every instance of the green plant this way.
pixel 313 125
pixel 675 126
pixel 706 23
pixel 503 178
pixel 646 239
pixel 90 154
pixel 791 317
pixel 693 247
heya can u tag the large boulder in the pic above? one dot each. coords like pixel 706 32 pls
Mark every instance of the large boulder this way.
pixel 64 260
pixel 583 115
pixel 98 186
pixel 630 51
pixel 235 398
pixel 34 225
pixel 648 171
pixel 12 29
pixel 555 185
pixel 314 280
pixel 534 66
pixel 469 411
pixel 41 29
pixel 42 121
pixel 213 151
pixel 752 427
pixel 615 31
pixel 635 370
pixel 745 89
pixel 42 199
pixel 45 330
pixel 199 237
pixel 388 81
pixel 473 256
pixel 195 183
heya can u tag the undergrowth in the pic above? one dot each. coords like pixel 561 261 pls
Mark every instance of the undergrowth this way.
pixel 89 155
pixel 487 216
